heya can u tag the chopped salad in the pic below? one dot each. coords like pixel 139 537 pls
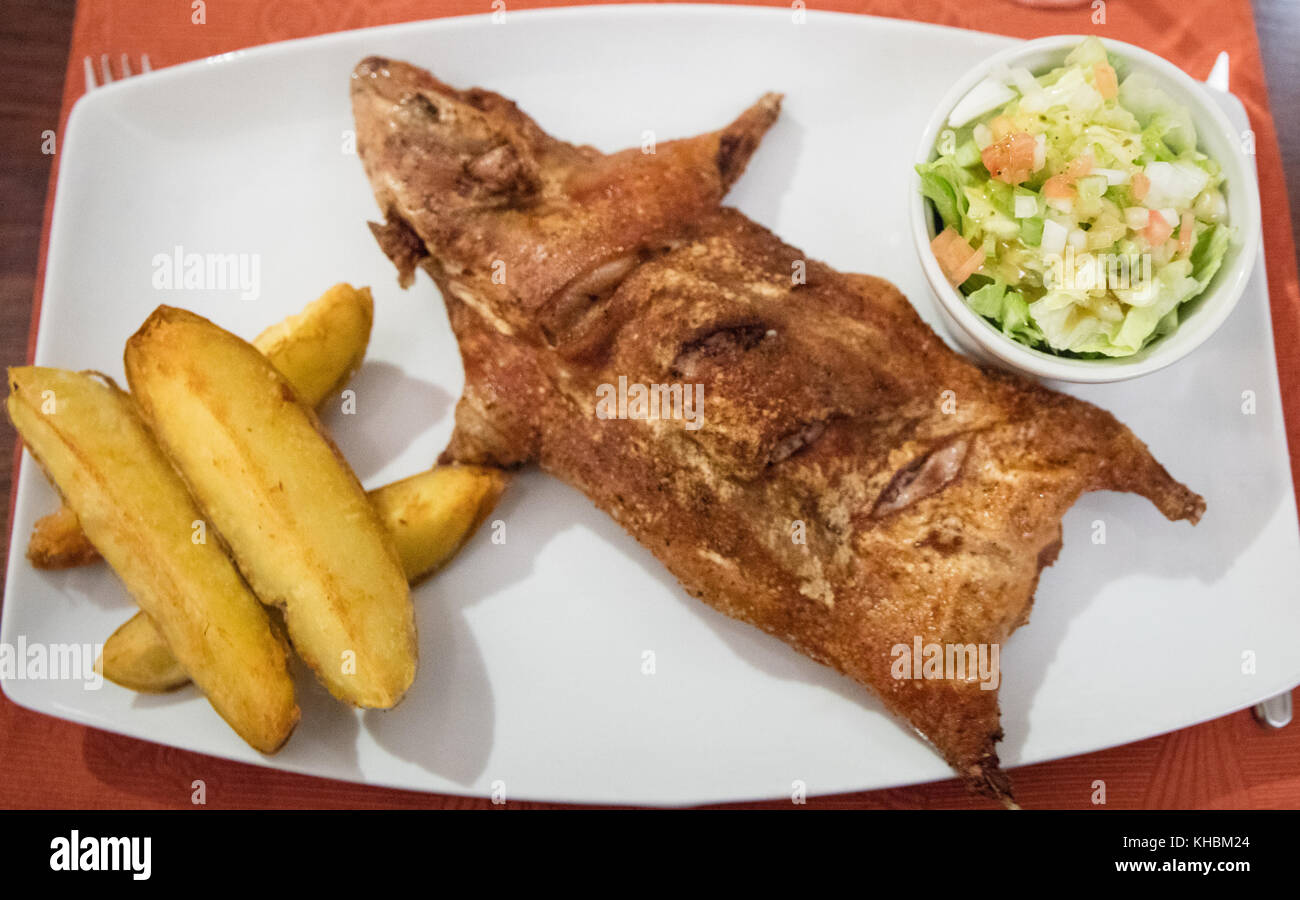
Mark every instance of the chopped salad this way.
pixel 1078 215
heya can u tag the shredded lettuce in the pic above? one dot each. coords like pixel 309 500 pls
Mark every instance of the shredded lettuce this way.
pixel 1126 153
pixel 1157 113
pixel 1007 309
pixel 1207 256
pixel 1031 231
pixel 942 182
pixel 1087 54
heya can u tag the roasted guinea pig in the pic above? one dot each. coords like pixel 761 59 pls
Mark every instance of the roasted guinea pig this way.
pixel 849 485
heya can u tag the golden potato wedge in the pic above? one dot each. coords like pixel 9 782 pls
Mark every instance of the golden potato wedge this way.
pixel 433 514
pixel 320 348
pixel 58 542
pixel 430 515
pixel 136 657
pixel 292 513
pixel 317 350
pixel 135 509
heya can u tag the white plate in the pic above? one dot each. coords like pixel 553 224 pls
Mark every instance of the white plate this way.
pixel 532 651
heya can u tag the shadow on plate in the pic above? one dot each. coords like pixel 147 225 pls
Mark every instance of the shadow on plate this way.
pixel 392 409
pixel 1224 455
pixel 326 733
pixel 451 732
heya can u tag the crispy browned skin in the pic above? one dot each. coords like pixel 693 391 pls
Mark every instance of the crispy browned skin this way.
pixel 926 513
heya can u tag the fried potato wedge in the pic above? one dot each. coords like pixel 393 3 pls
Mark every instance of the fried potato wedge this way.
pixel 87 435
pixel 290 510
pixel 58 542
pixel 136 657
pixel 317 350
pixel 433 514
pixel 430 515
pixel 320 348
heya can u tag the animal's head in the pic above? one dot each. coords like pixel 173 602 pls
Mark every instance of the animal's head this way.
pixel 512 221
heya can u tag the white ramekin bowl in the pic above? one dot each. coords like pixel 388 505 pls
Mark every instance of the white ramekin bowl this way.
pixel 1201 316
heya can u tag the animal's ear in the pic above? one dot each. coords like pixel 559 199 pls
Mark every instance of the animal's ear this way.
pixel 738 141
pixel 401 244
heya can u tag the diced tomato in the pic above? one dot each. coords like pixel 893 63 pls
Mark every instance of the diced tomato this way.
pixel 942 246
pixel 1079 168
pixel 1157 230
pixel 956 258
pixel 1010 159
pixel 950 249
pixel 1107 81
pixel 995 158
pixel 1022 150
pixel 1186 233
pixel 973 264
pixel 1058 187
pixel 1140 185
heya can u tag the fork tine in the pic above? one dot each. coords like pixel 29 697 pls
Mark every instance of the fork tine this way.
pixel 105 75
pixel 1218 77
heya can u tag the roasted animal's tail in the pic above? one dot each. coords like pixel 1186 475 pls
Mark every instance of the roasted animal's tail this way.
pixel 961 721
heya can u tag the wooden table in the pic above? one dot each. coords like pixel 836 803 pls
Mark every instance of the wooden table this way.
pixel 44 762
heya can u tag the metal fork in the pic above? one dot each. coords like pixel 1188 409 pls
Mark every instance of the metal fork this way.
pixel 106 70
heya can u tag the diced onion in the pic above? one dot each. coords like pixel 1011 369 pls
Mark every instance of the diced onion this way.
pixel 1054 237
pixel 986 96
pixel 1063 205
pixel 1113 176
pixel 1186 234
pixel 1210 206
pixel 1137 217
pixel 1174 184
pixel 1022 79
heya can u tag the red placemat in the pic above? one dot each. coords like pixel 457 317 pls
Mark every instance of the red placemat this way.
pixel 1230 762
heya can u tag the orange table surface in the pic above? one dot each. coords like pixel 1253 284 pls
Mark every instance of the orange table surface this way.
pixel 1227 763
